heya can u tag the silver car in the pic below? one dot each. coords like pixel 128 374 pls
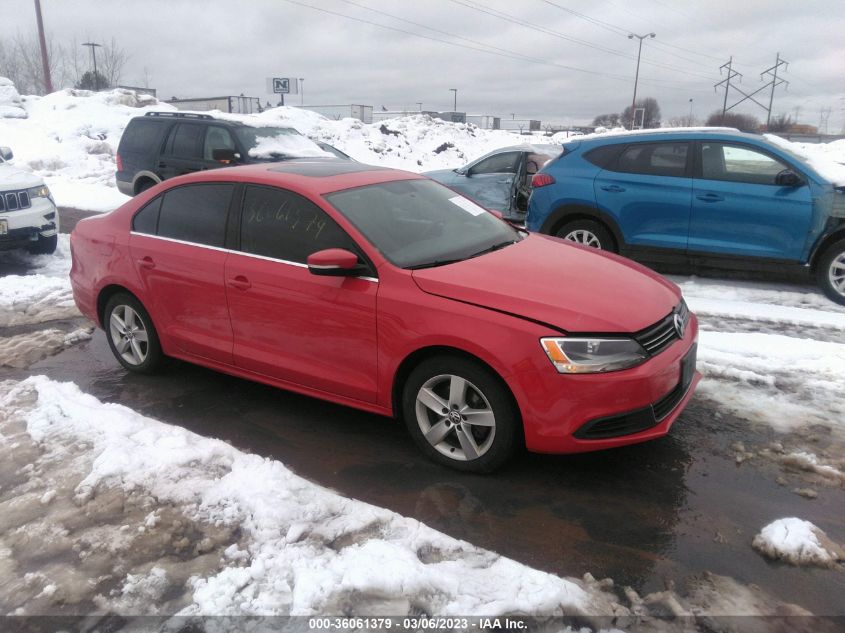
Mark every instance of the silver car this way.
pixel 500 180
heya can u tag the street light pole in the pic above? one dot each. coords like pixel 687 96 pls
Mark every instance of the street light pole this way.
pixel 690 112
pixel 301 90
pixel 455 90
pixel 637 76
pixel 94 46
pixel 419 105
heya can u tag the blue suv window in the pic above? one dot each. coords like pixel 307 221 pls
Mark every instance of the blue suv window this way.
pixel 654 159
pixel 738 163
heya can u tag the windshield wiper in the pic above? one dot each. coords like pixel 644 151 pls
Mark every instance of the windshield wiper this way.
pixel 443 262
pixel 495 247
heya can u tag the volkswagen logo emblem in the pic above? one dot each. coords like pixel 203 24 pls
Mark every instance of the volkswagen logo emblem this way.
pixel 679 325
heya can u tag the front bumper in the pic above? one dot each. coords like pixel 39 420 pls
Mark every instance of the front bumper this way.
pixel 622 407
pixel 24 226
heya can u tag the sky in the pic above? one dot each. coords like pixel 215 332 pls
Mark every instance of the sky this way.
pixel 561 61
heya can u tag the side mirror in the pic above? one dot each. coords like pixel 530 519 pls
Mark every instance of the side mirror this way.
pixel 788 178
pixel 6 153
pixel 335 262
pixel 223 155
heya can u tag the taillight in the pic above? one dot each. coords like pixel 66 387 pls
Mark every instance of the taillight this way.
pixel 119 163
pixel 541 180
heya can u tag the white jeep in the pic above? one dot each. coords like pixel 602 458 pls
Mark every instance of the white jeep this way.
pixel 28 216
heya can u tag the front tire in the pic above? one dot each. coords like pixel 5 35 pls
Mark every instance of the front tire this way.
pixel 131 335
pixel 587 233
pixel 830 273
pixel 460 414
pixel 44 245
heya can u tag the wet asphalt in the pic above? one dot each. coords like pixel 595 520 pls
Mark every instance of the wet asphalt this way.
pixel 649 516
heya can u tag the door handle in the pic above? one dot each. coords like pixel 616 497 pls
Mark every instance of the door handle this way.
pixel 240 282
pixel 710 197
pixel 146 262
pixel 613 188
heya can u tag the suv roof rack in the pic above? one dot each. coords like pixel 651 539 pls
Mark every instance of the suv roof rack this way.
pixel 185 115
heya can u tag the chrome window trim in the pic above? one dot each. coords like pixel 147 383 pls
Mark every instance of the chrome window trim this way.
pixel 235 252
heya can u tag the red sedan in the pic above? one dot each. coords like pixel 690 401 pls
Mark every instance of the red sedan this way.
pixel 386 291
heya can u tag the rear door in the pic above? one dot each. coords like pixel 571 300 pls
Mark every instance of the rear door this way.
pixel 648 192
pixel 183 150
pixel 177 244
pixel 314 331
pixel 737 208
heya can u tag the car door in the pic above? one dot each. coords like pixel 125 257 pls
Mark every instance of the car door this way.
pixel 183 149
pixel 314 331
pixel 737 208
pixel 647 190
pixel 490 181
pixel 177 245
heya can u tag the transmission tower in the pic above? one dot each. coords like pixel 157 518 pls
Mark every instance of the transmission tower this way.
pixel 775 82
pixel 727 82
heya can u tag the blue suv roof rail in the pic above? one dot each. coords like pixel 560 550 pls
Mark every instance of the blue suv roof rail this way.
pixel 180 115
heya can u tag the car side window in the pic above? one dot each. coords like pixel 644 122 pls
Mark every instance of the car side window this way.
pixel 196 213
pixel 283 225
pixel 217 137
pixel 738 163
pixel 146 220
pixel 654 159
pixel 506 163
pixel 186 140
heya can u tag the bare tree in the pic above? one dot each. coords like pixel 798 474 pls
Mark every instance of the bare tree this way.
pixel 682 121
pixel 113 58
pixel 20 61
pixel 743 122
pixel 651 113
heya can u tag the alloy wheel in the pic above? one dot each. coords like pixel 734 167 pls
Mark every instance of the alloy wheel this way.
pixel 836 273
pixel 129 334
pixel 582 236
pixel 455 417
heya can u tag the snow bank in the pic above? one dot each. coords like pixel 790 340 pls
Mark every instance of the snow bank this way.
pixel 304 549
pixel 42 295
pixel 797 542
pixel 828 159
pixel 287 145
pixel 10 102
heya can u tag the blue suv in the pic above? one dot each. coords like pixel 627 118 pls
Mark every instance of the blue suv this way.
pixel 711 197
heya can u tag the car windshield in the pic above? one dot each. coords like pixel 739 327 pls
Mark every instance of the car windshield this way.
pixel 278 142
pixel 421 223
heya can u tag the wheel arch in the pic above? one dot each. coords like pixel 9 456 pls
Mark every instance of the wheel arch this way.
pixel 413 360
pixel 106 294
pixel 837 234
pixel 570 212
pixel 142 177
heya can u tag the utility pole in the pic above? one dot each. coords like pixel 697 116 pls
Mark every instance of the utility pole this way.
pixel 45 62
pixel 773 71
pixel 301 90
pixel 637 75
pixel 94 47
pixel 419 105
pixel 455 90
pixel 690 112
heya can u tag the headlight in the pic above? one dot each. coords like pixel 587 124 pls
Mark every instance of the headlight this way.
pixel 41 191
pixel 592 355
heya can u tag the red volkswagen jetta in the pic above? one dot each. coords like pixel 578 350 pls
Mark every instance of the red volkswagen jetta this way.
pixel 386 291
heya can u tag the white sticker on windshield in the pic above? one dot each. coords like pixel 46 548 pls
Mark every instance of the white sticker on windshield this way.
pixel 467 205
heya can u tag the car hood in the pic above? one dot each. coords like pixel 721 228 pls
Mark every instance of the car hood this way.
pixel 545 279
pixel 11 178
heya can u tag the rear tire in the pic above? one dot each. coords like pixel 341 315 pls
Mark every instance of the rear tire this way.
pixel 460 414
pixel 44 245
pixel 830 273
pixel 131 335
pixel 587 233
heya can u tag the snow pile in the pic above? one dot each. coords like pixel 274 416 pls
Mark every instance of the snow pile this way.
pixel 287 145
pixel 44 294
pixel 293 547
pixel 797 542
pixel 10 102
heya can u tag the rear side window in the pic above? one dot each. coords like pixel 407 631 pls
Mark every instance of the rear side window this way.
pixel 605 156
pixel 186 140
pixel 142 135
pixel 283 225
pixel 654 159
pixel 196 213
pixel 146 220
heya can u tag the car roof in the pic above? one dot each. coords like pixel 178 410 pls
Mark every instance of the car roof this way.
pixel 314 175
pixel 203 117
pixel 662 134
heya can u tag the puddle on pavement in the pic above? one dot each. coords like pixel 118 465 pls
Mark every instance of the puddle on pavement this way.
pixel 648 516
